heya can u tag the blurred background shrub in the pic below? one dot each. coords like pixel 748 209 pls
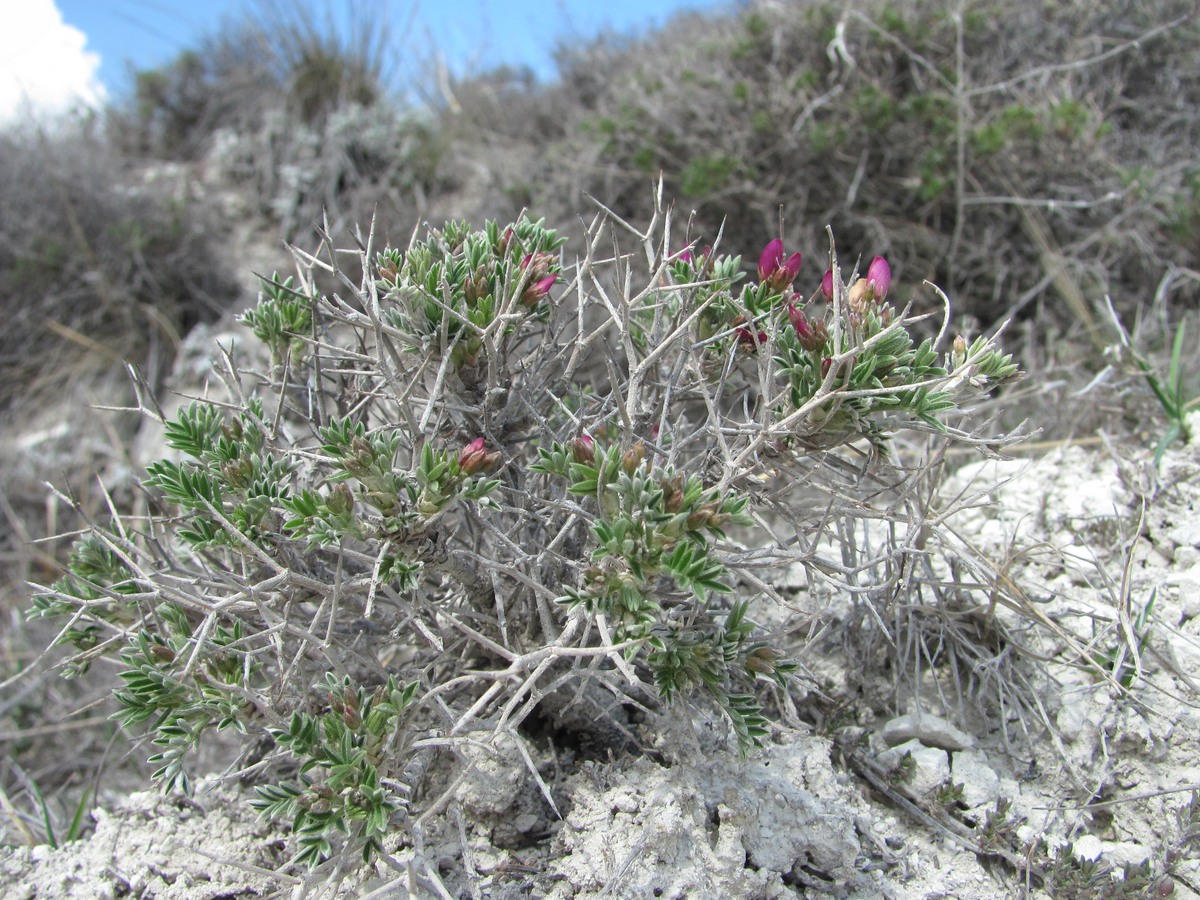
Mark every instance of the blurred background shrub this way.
pixel 1024 157
pixel 100 262
pixel 1028 159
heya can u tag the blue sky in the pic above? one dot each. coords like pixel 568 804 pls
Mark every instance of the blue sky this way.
pixel 471 34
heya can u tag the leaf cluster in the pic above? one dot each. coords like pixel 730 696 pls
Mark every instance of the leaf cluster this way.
pixel 282 319
pixel 233 480
pixel 339 789
pixel 184 693
pixel 458 287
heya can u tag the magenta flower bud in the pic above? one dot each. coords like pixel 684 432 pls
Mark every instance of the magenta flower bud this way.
pixel 475 458
pixel 799 322
pixel 538 290
pixel 537 264
pixel 476 446
pixel 879 278
pixel 541 279
pixel 583 450
pixel 775 271
pixel 684 255
pixel 811 336
pixel 827 285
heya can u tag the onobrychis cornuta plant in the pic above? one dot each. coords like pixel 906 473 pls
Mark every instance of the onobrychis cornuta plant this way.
pixel 485 472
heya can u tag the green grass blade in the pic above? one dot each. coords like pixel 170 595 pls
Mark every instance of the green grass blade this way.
pixel 1173 431
pixel 1175 372
pixel 75 829
pixel 46 823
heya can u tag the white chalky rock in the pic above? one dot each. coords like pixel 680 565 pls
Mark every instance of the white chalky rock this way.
pixel 930 730
pixel 713 827
pixel 1126 853
pixel 929 766
pixel 1087 848
pixel 981 784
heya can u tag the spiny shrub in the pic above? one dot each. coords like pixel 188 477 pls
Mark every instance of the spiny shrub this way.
pixel 482 478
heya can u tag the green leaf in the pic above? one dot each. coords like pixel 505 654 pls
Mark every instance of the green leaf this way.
pixel 195 430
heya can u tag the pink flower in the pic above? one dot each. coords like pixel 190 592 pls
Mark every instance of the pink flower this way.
pixel 775 271
pixel 827 285
pixel 879 278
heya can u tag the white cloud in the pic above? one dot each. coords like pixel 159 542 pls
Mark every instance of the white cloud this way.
pixel 44 64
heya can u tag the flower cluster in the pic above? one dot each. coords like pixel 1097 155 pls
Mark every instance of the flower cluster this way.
pixel 847 347
pixel 538 267
pixel 775 272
